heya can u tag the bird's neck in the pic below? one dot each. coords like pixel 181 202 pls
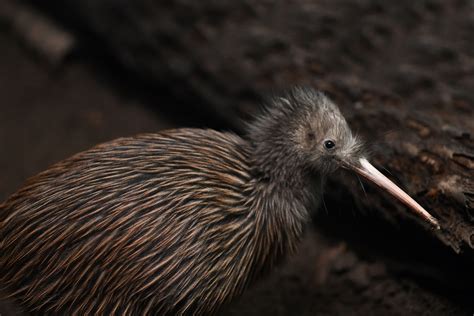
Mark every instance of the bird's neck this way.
pixel 283 212
pixel 283 194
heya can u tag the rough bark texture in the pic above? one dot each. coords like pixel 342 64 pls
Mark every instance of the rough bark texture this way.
pixel 402 71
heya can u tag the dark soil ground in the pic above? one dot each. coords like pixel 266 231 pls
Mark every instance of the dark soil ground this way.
pixel 48 114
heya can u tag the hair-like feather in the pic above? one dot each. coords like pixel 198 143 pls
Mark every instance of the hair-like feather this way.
pixel 174 222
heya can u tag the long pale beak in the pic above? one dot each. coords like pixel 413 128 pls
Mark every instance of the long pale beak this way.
pixel 368 171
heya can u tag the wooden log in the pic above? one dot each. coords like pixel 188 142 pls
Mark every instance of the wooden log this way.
pixel 399 71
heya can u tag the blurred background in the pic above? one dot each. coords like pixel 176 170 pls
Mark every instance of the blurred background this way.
pixel 80 72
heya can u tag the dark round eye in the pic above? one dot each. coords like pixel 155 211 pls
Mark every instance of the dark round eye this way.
pixel 329 144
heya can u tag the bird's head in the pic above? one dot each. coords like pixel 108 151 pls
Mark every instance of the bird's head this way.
pixel 303 129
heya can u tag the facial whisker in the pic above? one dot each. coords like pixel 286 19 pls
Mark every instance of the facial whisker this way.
pixel 388 171
pixel 324 204
pixel 362 185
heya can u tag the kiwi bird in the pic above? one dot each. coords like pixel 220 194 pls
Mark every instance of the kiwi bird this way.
pixel 175 222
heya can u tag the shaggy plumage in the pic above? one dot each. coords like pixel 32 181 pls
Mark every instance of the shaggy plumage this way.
pixel 175 222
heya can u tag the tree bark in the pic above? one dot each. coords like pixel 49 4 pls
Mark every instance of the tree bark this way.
pixel 399 71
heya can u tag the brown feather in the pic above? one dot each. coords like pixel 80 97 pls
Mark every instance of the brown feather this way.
pixel 161 223
pixel 176 222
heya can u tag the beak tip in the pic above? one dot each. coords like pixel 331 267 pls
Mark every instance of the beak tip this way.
pixel 434 223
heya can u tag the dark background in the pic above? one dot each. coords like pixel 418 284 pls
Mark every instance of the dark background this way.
pixel 402 71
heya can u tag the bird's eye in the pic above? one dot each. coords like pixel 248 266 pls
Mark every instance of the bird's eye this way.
pixel 329 144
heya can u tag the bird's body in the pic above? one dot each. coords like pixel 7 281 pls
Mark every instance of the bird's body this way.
pixel 112 229
pixel 176 222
